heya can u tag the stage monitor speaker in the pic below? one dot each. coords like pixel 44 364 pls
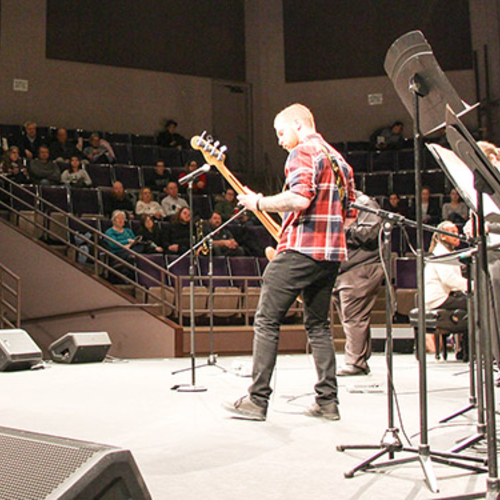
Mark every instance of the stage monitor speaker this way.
pixel 83 347
pixel 18 351
pixel 43 467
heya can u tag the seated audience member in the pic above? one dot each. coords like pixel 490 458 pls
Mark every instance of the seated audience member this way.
pixel 31 141
pixel 43 170
pixel 150 234
pixel 200 183
pixel 169 138
pixel 223 242
pixel 455 210
pixel 126 237
pixel 119 200
pixel 147 204
pixel 227 207
pixel 97 152
pixel 176 237
pixel 12 166
pixel 75 175
pixel 395 205
pixel 431 213
pixel 172 203
pixel 389 137
pixel 62 149
pixel 120 233
pixel 158 178
pixel 445 287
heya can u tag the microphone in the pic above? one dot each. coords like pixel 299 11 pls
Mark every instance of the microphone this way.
pixel 193 175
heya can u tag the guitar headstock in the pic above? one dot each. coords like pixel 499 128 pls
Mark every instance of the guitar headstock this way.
pixel 210 149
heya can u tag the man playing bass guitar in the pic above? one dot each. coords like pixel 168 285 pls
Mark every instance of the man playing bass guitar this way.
pixel 319 188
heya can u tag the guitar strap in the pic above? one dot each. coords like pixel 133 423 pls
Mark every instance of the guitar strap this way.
pixel 340 179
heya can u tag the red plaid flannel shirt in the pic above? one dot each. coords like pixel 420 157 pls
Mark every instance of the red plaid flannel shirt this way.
pixel 317 231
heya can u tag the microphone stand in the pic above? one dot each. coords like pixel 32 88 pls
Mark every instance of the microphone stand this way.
pixel 212 357
pixel 391 441
pixel 190 387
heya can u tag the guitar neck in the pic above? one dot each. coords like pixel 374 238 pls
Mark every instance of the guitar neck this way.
pixel 267 221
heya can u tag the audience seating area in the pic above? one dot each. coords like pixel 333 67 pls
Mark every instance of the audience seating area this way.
pixel 236 280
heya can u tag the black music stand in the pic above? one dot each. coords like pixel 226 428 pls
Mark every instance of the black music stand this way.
pixel 486 182
pixel 424 90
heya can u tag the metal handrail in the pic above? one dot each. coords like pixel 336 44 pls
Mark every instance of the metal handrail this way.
pixel 100 250
pixel 98 236
pixel 12 292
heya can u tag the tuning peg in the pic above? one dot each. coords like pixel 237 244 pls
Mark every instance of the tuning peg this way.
pixel 208 139
pixel 222 150
pixel 214 147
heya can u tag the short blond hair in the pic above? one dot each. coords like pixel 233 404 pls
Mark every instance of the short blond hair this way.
pixel 296 112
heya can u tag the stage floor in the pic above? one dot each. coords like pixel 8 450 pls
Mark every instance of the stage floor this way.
pixel 187 447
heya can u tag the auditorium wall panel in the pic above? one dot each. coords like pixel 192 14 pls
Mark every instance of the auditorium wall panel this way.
pixel 123 99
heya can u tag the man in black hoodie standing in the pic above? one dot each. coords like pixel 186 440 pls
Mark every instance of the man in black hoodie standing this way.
pixel 357 286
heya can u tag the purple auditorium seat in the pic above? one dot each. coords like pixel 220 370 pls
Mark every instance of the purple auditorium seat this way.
pixel 377 184
pixel 85 201
pixel 101 175
pixel 403 183
pixel 262 263
pixel 135 225
pixel 359 160
pixel 244 266
pixel 262 235
pixel 78 225
pixel 406 159
pixel 406 272
pixel 143 140
pixel 123 153
pixel 105 224
pixel 171 156
pixel 181 268
pixel 117 137
pixel 153 277
pixel 215 182
pixel 13 133
pixel 144 155
pixel 220 271
pixel 55 195
pixel 383 161
pixel 436 179
pixel 188 155
pixel 357 146
pixel 128 175
pixel 202 206
pixel 23 197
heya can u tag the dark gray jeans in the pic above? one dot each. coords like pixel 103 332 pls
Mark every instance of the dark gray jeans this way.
pixel 287 276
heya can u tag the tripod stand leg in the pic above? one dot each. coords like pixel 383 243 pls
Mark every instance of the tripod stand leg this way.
pixel 426 463
pixel 467 442
pixel 457 413
pixel 365 464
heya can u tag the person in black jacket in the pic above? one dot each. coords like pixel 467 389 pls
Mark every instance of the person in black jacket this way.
pixel 431 210
pixel 150 234
pixel 169 138
pixel 357 286
pixel 175 239
pixel 30 141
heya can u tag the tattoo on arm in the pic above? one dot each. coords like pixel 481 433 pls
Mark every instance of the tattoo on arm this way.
pixel 284 202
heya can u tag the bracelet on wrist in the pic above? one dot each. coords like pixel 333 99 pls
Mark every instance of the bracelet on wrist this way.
pixel 258 203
